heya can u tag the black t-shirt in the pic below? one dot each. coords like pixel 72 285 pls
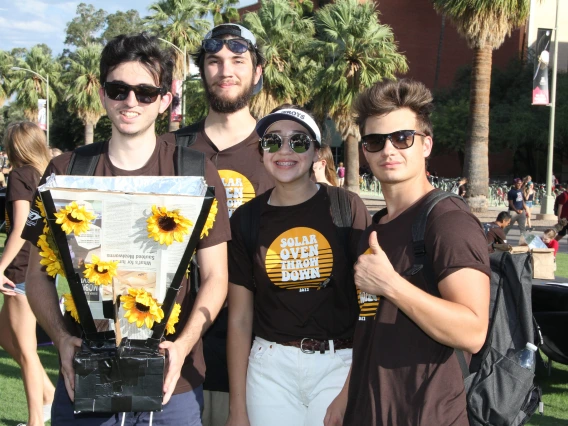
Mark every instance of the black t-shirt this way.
pixel 161 163
pixel 301 276
pixel 401 376
pixel 21 186
pixel 516 195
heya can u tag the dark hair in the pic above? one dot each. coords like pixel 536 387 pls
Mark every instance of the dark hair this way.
pixel 199 57
pixel 142 48
pixel 390 95
pixel 503 216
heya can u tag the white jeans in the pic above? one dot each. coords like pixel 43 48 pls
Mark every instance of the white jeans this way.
pixel 286 387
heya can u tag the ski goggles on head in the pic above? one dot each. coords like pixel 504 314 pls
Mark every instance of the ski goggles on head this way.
pixel 235 45
pixel 299 142
pixel 144 93
pixel 401 139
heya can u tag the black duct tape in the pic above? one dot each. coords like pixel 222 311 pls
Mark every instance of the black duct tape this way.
pixel 127 379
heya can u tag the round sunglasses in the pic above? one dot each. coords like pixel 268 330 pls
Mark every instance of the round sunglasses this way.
pixel 299 142
pixel 401 139
pixel 235 45
pixel 144 93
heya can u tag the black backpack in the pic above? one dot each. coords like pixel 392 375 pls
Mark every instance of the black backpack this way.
pixel 186 136
pixel 188 163
pixel 340 212
pixel 498 391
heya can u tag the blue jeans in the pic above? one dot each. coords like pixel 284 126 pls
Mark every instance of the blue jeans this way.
pixel 183 409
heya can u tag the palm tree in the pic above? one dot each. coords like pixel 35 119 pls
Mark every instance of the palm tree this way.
pixel 484 24
pixel 281 34
pixel 29 87
pixel 182 23
pixel 82 81
pixel 356 51
pixel 223 11
pixel 6 62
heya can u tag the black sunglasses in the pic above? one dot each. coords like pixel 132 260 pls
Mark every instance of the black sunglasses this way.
pixel 299 142
pixel 401 139
pixel 144 93
pixel 235 45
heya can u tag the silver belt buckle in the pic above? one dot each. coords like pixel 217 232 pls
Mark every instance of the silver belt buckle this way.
pixel 306 351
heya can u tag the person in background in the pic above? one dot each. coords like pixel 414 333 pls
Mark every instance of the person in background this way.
pixel 517 208
pixel 341 175
pixel 494 230
pixel 462 187
pixel 324 167
pixel 548 238
pixel 55 152
pixel 561 212
pixel 27 151
pixel 528 196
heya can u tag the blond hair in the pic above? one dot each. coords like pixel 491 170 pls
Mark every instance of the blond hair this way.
pixel 25 144
pixel 325 154
pixel 550 233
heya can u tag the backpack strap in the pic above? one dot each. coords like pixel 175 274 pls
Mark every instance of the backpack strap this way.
pixel 422 263
pixel 187 135
pixel 341 215
pixel 84 159
pixel 190 162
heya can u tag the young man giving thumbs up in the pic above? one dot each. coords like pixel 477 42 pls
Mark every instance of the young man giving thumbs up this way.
pixel 404 368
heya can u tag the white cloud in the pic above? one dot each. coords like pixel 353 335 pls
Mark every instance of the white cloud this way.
pixel 33 7
pixel 31 26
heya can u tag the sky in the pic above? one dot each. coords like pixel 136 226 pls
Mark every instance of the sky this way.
pixel 25 23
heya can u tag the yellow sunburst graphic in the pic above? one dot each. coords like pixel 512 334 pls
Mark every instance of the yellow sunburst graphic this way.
pixel 368 303
pixel 50 257
pixel 238 188
pixel 210 219
pixel 70 306
pixel 167 226
pixel 174 319
pixel 141 308
pixel 74 218
pixel 299 258
pixel 100 272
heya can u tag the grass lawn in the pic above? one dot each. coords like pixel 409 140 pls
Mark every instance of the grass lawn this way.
pixel 13 408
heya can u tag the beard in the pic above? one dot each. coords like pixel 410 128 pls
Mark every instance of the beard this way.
pixel 228 106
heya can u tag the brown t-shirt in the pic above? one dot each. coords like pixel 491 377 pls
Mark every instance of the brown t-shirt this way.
pixel 301 276
pixel 22 186
pixel 401 376
pixel 161 163
pixel 240 166
pixel 495 235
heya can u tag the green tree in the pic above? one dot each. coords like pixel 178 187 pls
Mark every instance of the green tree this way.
pixel 6 62
pixel 118 23
pixel 355 51
pixel 484 24
pixel 84 28
pixel 303 7
pixel 82 81
pixel 223 11
pixel 281 34
pixel 182 23
pixel 29 87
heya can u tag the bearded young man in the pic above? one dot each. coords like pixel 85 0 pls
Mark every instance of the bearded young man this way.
pixel 135 77
pixel 230 65
pixel 404 370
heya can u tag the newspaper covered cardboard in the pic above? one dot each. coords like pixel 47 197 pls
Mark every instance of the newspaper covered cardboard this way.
pixel 542 259
pixel 119 238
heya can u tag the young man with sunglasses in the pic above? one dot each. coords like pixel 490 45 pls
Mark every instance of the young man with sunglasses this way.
pixel 404 369
pixel 136 74
pixel 230 65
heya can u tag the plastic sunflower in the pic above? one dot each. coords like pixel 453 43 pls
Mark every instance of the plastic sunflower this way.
pixel 100 271
pixel 166 226
pixel 70 306
pixel 40 206
pixel 210 219
pixel 141 308
pixel 174 319
pixel 74 218
pixel 50 257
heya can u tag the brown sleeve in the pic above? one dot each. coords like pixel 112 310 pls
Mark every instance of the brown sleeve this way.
pixel 23 184
pixel 457 241
pixel 221 231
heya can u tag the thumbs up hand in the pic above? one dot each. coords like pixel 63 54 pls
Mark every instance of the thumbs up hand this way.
pixel 374 273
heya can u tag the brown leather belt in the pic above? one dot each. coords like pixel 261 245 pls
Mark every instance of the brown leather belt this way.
pixel 310 346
